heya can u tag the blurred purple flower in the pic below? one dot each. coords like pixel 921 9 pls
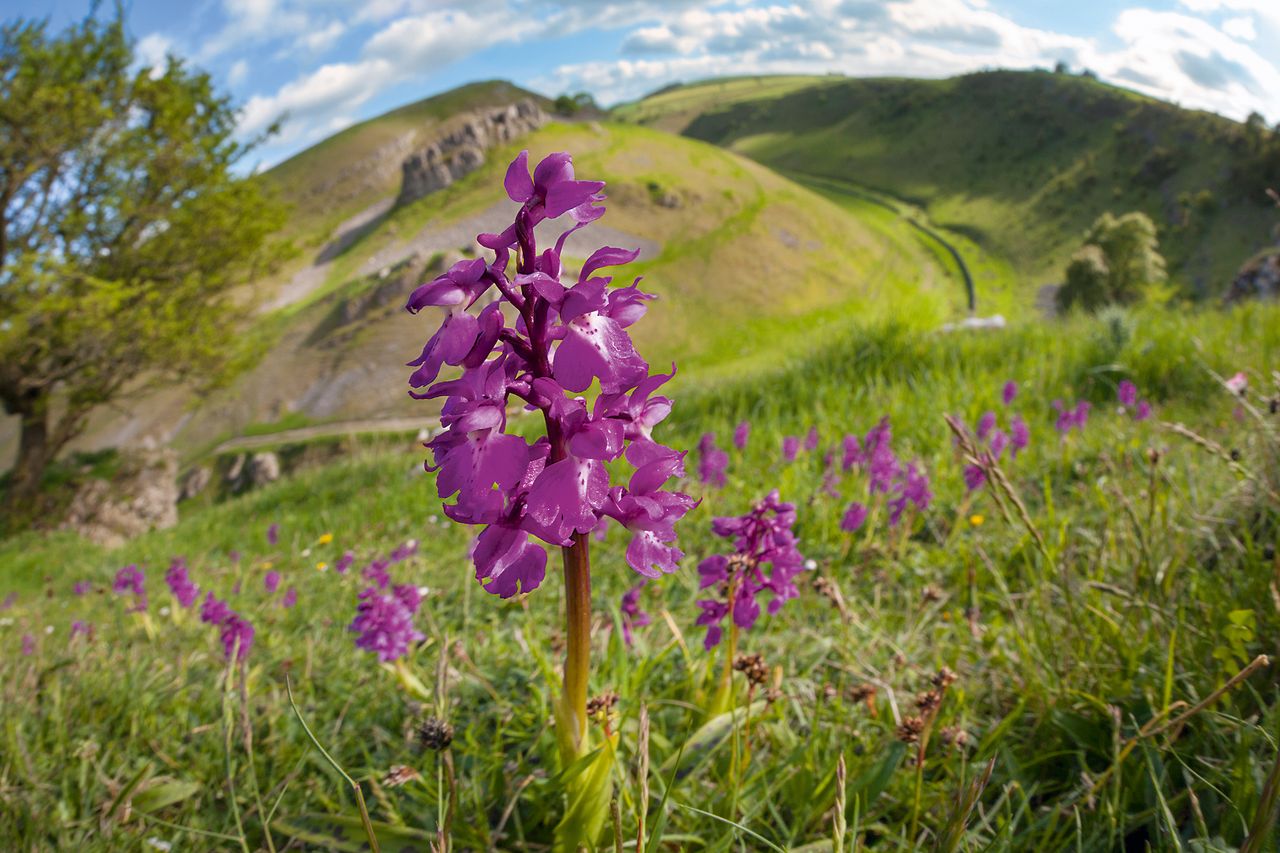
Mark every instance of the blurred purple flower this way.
pixel 81 588
pixel 214 611
pixel 237 637
pixel 384 624
pixel 632 616
pixel 1142 411
pixel 812 440
pixel 11 599
pixel 271 581
pixel 1127 393
pixel 986 423
pixel 409 597
pixel 974 477
pixel 1009 391
pixel 854 517
pixel 912 487
pixel 404 552
pixel 180 583
pixel 28 645
pixel 790 447
pixel 78 627
pixel 712 461
pixel 130 580
pixel 999 442
pixel 1019 435
pixel 344 562
pixel 290 598
pixel 273 534
pixel 376 573
pixel 741 433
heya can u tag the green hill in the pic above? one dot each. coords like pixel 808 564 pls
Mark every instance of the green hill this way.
pixel 749 267
pixel 1020 161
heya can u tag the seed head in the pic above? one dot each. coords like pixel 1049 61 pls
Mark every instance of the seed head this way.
pixel 602 704
pixel 435 734
pixel 931 594
pixel 944 679
pixel 862 692
pixel 928 701
pixel 910 730
pixel 753 667
pixel 954 736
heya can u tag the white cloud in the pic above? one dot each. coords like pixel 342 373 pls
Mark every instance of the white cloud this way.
pixel 318 41
pixel 152 51
pixel 238 73
pixel 1241 28
pixel 327 90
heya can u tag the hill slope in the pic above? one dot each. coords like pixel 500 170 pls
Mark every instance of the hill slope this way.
pixel 1022 161
pixel 749 268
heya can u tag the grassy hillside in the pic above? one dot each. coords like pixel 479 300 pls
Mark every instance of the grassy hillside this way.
pixel 748 266
pixel 1021 161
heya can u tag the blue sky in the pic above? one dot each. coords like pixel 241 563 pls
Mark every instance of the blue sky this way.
pixel 324 64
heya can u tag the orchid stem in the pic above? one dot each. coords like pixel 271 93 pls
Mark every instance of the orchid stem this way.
pixel 577 665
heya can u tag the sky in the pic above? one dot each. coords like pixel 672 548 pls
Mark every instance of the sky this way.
pixel 322 65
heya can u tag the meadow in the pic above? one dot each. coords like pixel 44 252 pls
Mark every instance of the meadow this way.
pixel 1069 656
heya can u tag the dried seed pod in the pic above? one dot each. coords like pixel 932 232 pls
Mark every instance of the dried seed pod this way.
pixel 753 667
pixel 435 734
pixel 602 704
pixel 944 678
pixel 910 729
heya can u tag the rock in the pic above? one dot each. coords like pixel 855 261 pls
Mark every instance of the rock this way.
pixel 232 477
pixel 144 496
pixel 196 481
pixel 263 468
pixel 1259 278
pixel 461 151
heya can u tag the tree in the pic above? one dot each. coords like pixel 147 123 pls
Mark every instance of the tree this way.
pixel 125 233
pixel 1120 256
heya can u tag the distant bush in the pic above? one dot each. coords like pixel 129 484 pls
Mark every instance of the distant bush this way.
pixel 569 105
pixel 1119 257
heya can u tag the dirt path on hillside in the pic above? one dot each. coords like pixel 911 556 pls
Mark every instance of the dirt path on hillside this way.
pixel 912 215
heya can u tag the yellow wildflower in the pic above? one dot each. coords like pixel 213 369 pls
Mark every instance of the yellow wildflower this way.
pixel 976 520
pixel 325 538
pixel 322 566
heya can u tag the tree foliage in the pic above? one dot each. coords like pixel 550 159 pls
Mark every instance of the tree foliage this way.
pixel 1119 256
pixel 125 232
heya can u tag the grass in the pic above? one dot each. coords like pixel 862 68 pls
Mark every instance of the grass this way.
pixel 1152 591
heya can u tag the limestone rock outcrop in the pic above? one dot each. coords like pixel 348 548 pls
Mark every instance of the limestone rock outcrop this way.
pixel 461 150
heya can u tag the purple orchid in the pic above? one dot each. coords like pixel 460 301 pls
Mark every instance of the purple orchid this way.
pixel 344 562
pixel 180 583
pixel 385 625
pixel 79 628
pixel 765 559
pixel 376 573
pixel 273 534
pixel 130 580
pixel 712 461
pixel 1142 411
pixel 790 448
pixel 741 433
pixel 234 631
pixel 1009 391
pixel 28 645
pixel 854 517
pixel 632 616
pixel 565 338
pixel 986 424
pixel 813 439
pixel 1127 393
pixel 271 581
pixel 1019 435
pixel 290 598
